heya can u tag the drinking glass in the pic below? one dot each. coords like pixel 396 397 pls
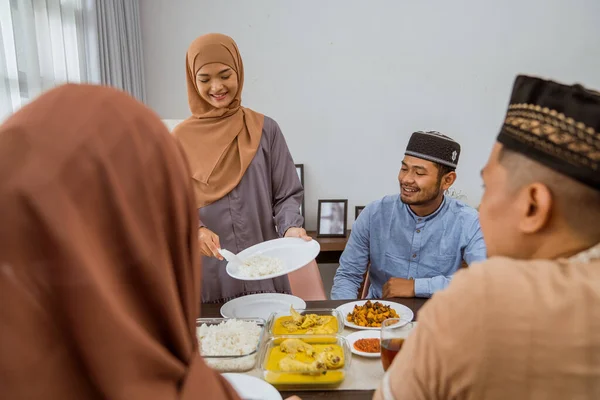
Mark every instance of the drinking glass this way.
pixel 393 334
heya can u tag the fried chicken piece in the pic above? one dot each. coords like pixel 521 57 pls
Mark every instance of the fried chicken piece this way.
pixel 288 364
pixel 329 358
pixel 293 346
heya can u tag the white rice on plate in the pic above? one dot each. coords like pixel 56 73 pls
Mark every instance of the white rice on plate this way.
pixel 229 338
pixel 259 265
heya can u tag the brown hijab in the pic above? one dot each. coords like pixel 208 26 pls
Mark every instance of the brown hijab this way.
pixel 99 283
pixel 219 143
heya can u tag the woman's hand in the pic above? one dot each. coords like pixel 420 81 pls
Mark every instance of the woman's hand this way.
pixel 299 233
pixel 209 243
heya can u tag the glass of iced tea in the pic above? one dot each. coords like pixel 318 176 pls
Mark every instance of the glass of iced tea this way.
pixel 393 334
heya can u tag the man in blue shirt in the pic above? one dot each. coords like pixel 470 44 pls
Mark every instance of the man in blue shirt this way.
pixel 414 242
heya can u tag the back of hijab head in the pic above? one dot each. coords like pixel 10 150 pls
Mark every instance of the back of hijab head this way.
pixel 99 271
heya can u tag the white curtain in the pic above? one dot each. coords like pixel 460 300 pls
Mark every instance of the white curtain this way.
pixel 120 45
pixel 44 43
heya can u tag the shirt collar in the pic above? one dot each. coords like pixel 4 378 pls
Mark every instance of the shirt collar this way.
pixel 593 253
pixel 427 217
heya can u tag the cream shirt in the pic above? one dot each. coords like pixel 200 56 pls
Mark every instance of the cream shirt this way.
pixel 506 329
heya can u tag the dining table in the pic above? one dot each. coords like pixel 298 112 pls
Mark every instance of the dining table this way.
pixel 213 311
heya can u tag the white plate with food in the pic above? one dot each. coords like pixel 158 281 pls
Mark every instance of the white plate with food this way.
pixel 273 258
pixel 365 343
pixel 380 309
pixel 260 305
pixel 252 388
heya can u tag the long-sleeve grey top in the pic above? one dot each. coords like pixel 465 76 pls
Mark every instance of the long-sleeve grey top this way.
pixel 262 207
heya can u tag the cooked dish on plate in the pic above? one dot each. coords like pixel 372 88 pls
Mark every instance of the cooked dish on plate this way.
pixel 368 345
pixel 371 314
pixel 259 265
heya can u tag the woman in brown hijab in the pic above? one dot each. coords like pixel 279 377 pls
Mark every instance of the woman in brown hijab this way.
pixel 99 279
pixel 245 181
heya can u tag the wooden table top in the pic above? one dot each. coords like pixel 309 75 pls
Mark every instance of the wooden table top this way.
pixel 330 244
pixel 213 311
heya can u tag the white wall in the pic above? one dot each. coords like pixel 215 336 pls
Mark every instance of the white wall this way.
pixel 348 81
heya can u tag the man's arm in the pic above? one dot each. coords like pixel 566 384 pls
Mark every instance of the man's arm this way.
pixel 426 287
pixel 475 251
pixel 441 357
pixel 354 260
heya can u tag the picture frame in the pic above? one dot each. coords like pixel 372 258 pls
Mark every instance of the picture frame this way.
pixel 332 218
pixel 300 172
pixel 357 211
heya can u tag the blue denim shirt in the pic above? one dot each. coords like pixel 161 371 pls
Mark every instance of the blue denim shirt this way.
pixel 400 244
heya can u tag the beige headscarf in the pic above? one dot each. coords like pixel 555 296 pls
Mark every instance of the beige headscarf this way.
pixel 99 267
pixel 219 143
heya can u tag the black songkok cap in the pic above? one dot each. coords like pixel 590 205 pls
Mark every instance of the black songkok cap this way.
pixel 435 147
pixel 556 125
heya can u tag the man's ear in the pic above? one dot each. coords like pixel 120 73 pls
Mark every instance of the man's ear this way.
pixel 448 180
pixel 537 200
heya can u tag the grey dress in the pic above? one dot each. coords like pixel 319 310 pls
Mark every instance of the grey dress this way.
pixel 262 207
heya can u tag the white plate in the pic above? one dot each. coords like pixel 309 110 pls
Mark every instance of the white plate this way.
pixel 260 305
pixel 406 315
pixel 353 337
pixel 294 252
pixel 250 387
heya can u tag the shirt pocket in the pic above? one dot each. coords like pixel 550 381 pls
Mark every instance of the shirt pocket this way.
pixel 395 266
pixel 450 243
pixel 437 265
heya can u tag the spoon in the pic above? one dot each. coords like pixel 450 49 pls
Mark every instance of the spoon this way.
pixel 229 256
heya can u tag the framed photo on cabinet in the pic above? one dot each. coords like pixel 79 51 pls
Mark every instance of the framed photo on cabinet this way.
pixel 332 218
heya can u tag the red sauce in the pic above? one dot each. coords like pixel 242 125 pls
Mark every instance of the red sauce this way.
pixel 368 345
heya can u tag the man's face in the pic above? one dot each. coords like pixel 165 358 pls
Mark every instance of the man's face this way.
pixel 419 181
pixel 500 210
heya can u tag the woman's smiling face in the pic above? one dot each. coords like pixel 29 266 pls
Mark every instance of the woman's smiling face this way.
pixel 217 84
